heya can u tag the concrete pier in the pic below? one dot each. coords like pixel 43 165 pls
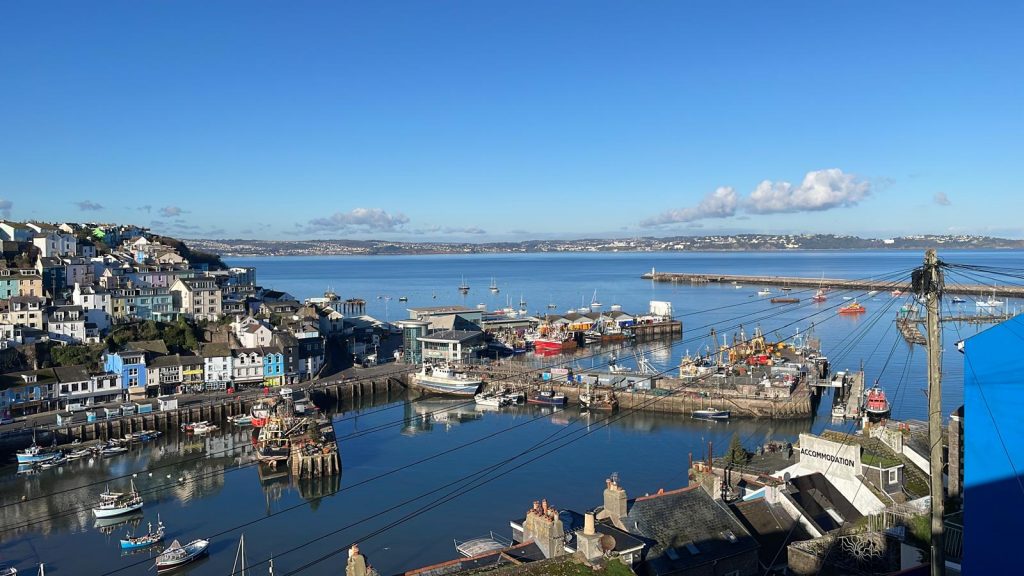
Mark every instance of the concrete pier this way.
pixel 834 283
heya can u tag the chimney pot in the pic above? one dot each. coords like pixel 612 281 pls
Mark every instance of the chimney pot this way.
pixel 588 524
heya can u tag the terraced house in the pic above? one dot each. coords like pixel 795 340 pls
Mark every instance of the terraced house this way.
pixel 197 298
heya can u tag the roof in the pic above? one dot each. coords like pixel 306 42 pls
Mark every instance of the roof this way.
pixel 215 350
pixel 771 526
pixel 451 336
pixel 688 529
pixel 521 553
pixel 873 452
pixel 166 361
pixel 454 322
pixel 241 351
pixel 71 373
pixel 815 495
pixel 43 377
pixel 154 346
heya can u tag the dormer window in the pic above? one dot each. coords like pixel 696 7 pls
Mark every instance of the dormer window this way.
pixel 29 378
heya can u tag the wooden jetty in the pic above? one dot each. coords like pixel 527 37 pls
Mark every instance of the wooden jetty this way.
pixel 834 283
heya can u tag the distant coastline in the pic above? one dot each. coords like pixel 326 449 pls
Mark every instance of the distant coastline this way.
pixel 733 243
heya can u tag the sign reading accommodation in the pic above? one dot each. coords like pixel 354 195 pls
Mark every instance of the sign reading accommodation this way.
pixel 830 458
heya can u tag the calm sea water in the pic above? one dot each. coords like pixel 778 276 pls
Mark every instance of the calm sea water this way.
pixel 201 487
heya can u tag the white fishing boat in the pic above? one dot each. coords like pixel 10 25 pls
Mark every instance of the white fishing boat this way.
pixel 446 379
pixel 35 454
pixel 990 302
pixel 177 555
pixel 117 503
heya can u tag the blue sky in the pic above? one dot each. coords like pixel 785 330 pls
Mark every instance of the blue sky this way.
pixel 487 121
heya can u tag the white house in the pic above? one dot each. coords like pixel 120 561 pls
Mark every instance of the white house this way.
pixel 248 366
pixel 252 333
pixel 66 324
pixel 96 302
pixel 55 243
pixel 218 365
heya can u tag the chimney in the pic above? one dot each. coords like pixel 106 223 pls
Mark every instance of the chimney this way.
pixel 615 502
pixel 544 527
pixel 356 565
pixel 588 541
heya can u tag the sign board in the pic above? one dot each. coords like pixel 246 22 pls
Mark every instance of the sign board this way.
pixel 832 459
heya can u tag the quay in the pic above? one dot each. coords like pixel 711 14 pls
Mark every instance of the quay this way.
pixel 217 410
pixel 834 283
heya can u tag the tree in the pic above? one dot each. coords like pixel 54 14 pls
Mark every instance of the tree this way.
pixel 737 454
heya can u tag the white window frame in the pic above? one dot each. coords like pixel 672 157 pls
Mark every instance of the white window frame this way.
pixel 894 475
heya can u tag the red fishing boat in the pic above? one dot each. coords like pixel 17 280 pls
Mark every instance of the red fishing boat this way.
pixel 853 308
pixel 877 405
pixel 552 344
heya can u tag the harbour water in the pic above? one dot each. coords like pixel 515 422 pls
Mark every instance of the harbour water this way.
pixel 394 450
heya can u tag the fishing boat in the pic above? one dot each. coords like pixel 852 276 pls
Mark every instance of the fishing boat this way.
pixel 177 555
pixel 117 503
pixel 603 402
pixel 494 286
pixel 446 379
pixel 853 308
pixel 554 343
pixel 764 292
pixel 36 454
pixel 241 420
pixel 710 414
pixel 876 404
pixel 548 397
pixel 990 302
pixel 260 412
pixel 490 399
pixel 148 539
pixel 272 444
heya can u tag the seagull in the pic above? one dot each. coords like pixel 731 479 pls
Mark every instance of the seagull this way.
pixel 136 475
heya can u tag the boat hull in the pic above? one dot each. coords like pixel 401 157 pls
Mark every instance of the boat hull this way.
pixel 111 512
pixel 711 414
pixel 196 552
pixel 547 400
pixel 467 388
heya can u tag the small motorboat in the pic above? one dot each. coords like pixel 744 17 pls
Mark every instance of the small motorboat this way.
pixel 513 397
pixel 242 420
pixel 177 555
pixel 10 571
pixel 80 453
pixel 112 450
pixel 203 428
pixel 711 414
pixel 764 292
pixel 52 462
pixel 148 539
pixel 958 300
pixel 489 399
pixel 549 397
pixel 853 308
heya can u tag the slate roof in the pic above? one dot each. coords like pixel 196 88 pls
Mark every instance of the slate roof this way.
pixel 154 346
pixel 815 495
pixel 215 350
pixel 166 361
pixel 71 373
pixel 43 377
pixel 771 526
pixel 453 322
pixel 687 528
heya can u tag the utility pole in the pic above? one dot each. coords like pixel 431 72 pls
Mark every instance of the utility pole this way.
pixel 931 286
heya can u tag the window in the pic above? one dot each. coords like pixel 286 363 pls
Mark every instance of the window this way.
pixel 894 475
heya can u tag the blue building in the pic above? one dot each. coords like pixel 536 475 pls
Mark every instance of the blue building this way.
pixel 130 363
pixel 993 437
pixel 273 366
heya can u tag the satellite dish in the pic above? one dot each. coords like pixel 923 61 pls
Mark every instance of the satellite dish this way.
pixel 607 543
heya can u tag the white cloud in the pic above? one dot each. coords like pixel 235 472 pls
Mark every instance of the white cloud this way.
pixel 5 208
pixel 941 199
pixel 171 211
pixel 88 205
pixel 820 190
pixel 359 219
pixel 722 203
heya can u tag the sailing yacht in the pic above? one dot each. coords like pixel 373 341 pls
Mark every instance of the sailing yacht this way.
pixel 594 303
pixel 991 302
pixel 494 286
pixel 463 287
pixel 238 567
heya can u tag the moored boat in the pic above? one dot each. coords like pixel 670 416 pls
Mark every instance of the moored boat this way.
pixel 603 402
pixel 490 399
pixel 177 555
pixel 785 300
pixel 272 444
pixel 549 397
pixel 819 296
pixel 118 503
pixel 446 379
pixel 764 292
pixel 148 539
pixel 876 404
pixel 711 414
pixel 554 344
pixel 958 300
pixel 241 420
pixel 853 308
pixel 203 428
pixel 112 450
pixel 36 454
pixel 260 412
